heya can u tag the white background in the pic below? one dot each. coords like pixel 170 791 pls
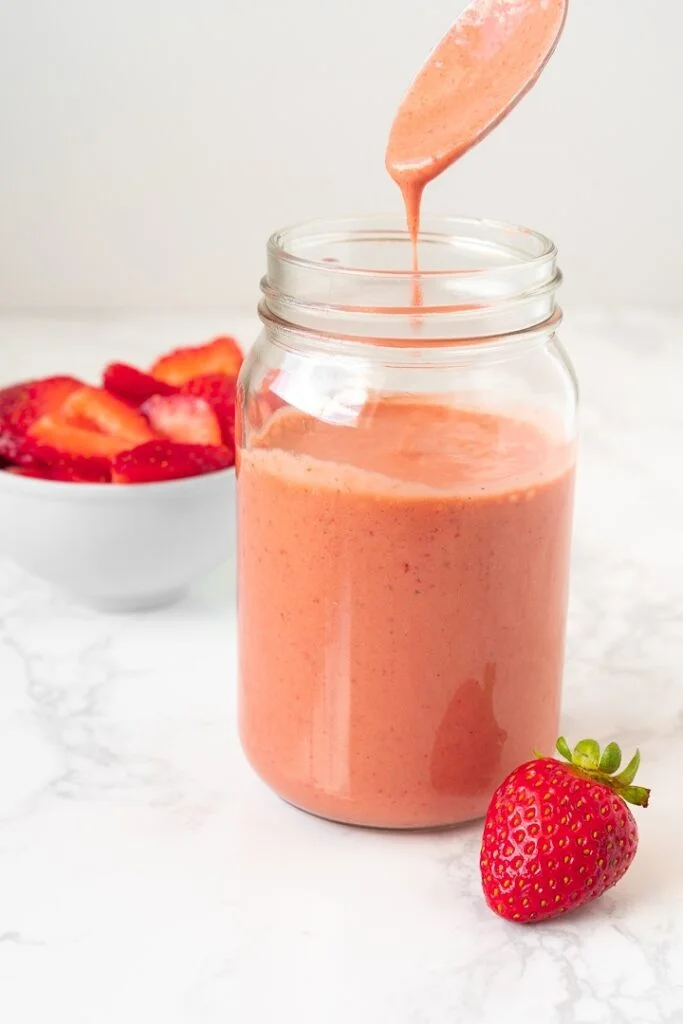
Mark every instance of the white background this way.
pixel 150 146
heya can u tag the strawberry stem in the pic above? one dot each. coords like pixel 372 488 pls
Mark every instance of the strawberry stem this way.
pixel 587 759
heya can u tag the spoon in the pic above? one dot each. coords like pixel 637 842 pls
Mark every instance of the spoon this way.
pixel 481 69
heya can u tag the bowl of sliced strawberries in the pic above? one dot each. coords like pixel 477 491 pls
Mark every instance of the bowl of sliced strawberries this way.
pixel 122 493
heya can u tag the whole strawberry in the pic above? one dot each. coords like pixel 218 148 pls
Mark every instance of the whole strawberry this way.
pixel 558 835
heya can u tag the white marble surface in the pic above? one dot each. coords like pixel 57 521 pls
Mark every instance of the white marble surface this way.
pixel 146 876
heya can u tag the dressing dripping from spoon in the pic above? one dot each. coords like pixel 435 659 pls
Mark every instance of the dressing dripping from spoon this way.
pixel 481 69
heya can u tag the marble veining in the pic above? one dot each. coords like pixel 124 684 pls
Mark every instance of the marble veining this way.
pixel 146 876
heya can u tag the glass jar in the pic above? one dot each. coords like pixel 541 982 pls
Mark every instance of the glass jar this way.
pixel 405 482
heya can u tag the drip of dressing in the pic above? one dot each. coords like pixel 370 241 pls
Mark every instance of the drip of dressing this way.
pixel 480 70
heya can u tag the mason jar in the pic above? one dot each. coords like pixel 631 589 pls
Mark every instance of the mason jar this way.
pixel 405 485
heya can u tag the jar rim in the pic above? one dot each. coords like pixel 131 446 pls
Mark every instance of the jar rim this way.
pixel 354 277
pixel 393 225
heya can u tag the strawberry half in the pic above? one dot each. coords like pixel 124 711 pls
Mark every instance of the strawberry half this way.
pixel 167 460
pixel 92 422
pixel 97 410
pixel 58 433
pixel 557 836
pixel 28 457
pixel 80 470
pixel 219 392
pixel 222 355
pixel 22 404
pixel 132 385
pixel 18 449
pixel 183 418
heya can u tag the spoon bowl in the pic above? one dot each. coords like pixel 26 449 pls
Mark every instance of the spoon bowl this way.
pixel 477 74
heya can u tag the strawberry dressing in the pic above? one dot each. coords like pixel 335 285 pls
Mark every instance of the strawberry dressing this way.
pixel 404 585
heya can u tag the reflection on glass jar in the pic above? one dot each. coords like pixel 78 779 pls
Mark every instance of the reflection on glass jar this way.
pixel 405 496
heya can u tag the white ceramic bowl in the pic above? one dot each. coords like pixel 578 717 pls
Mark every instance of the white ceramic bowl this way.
pixel 121 547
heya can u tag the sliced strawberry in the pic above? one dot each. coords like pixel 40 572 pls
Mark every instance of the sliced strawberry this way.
pixel 79 469
pixel 42 460
pixel 35 435
pixel 222 355
pixel 219 391
pixel 27 452
pixel 22 404
pixel 168 460
pixel 19 450
pixel 95 409
pixel 183 418
pixel 132 385
pixel 59 433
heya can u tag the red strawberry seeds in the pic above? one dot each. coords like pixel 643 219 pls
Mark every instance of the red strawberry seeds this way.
pixel 556 835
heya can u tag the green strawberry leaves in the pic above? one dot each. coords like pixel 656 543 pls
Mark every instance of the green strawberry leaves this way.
pixel 588 759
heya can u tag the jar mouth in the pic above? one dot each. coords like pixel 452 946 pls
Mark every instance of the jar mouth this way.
pixel 308 244
pixel 354 277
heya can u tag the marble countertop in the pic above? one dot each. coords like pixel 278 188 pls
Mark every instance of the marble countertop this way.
pixel 147 877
